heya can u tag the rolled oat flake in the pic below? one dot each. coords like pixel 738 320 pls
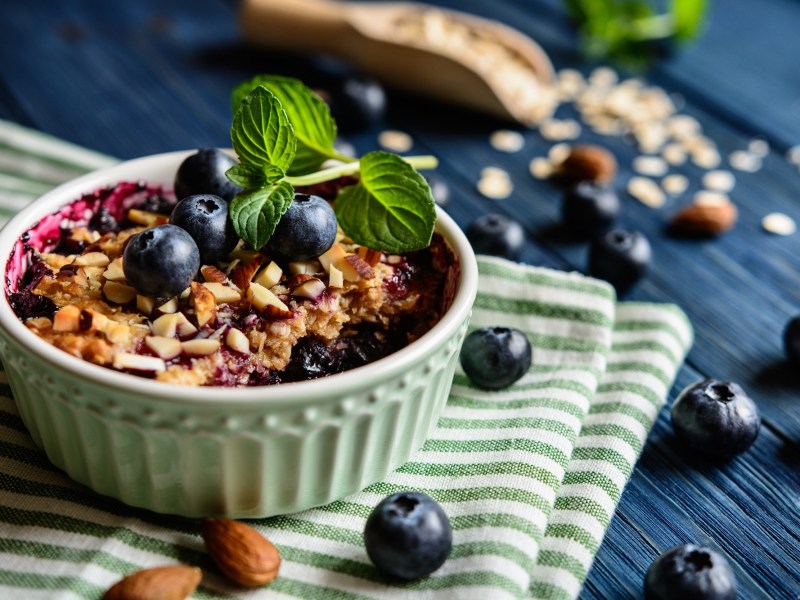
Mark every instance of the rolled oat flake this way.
pixel 396 141
pixel 779 224
pixel 506 140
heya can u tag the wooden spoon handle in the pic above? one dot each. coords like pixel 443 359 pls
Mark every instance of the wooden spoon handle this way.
pixel 298 25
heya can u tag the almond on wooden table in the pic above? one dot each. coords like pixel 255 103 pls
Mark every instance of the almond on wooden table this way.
pixel 175 582
pixel 241 553
pixel 589 162
pixel 704 220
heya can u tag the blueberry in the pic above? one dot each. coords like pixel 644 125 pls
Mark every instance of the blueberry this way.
pixel 791 340
pixel 690 572
pixel 589 208
pixel 439 188
pixel 495 357
pixel 496 234
pixel 306 230
pixel 161 261
pixel 204 173
pixel 408 536
pixel 205 218
pixel 358 103
pixel 620 257
pixel 716 418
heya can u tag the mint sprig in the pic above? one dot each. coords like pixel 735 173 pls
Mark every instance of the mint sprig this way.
pixel 283 133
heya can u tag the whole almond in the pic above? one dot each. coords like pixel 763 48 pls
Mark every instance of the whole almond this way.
pixel 588 162
pixel 174 582
pixel 704 220
pixel 241 553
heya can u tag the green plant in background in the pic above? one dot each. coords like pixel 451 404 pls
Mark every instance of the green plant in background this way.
pixel 635 31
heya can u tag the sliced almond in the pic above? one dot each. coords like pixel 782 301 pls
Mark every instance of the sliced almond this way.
pixel 200 347
pixel 269 275
pixel 184 327
pixel 704 219
pixel 205 305
pixel 222 293
pixel 236 340
pixel 245 255
pixel 114 271
pixel 147 218
pixel 169 307
pixel 372 257
pixel 354 268
pixel 91 320
pixel 67 318
pixel 119 293
pixel 331 255
pixel 166 325
pixel 117 333
pixel 145 304
pixel 305 267
pixel 311 289
pixel 165 347
pixel 213 274
pixel 92 259
pixel 335 278
pixel 138 362
pixel 72 274
pixel 265 300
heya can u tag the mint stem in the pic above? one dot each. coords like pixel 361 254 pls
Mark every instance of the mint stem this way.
pixel 351 168
pixel 653 27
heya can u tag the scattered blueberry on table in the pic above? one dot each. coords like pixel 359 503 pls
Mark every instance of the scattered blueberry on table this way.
pixel 690 572
pixel 589 208
pixel 716 418
pixel 204 173
pixel 358 103
pixel 161 261
pixel 408 536
pixel 620 257
pixel 496 234
pixel 205 218
pixel 307 229
pixel 495 357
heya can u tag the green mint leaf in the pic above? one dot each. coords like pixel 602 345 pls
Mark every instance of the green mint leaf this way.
pixel 248 176
pixel 390 209
pixel 687 17
pixel 262 134
pixel 255 213
pixel 309 115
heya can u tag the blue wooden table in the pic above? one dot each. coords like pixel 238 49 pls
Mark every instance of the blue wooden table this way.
pixel 142 77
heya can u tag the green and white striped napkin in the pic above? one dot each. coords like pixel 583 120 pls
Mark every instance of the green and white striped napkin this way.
pixel 530 476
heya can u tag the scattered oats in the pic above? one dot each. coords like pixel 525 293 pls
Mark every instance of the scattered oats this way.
pixel 779 224
pixel 541 168
pixel 759 147
pixel 603 77
pixel 646 191
pixel 650 138
pixel 719 181
pixel 496 186
pixel 744 161
pixel 683 126
pixel 709 198
pixel 559 153
pixel 674 154
pixel 396 141
pixel 650 165
pixel 506 140
pixel 493 172
pixel 793 155
pixel 706 157
pixel 557 130
pixel 570 84
pixel 675 184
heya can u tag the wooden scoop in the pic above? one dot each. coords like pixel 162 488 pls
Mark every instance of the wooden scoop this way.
pixel 442 53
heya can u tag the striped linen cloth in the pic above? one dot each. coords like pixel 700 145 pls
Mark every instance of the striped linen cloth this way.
pixel 530 476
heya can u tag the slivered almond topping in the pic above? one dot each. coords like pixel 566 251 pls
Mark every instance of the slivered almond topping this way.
pixel 184 327
pixel 307 267
pixel 185 293
pixel 166 325
pixel 72 274
pixel 118 293
pixel 67 318
pixel 242 275
pixel 335 278
pixel 222 293
pixel 353 268
pixel 169 307
pixel 145 304
pixel 331 255
pixel 245 255
pixel 213 274
pixel 138 362
pixel 269 275
pixel 205 305
pixel 91 320
pixel 201 347
pixel 236 340
pixel 147 218
pixel 298 279
pixel 114 271
pixel 265 301
pixel 92 259
pixel 311 288
pixel 117 333
pixel 372 257
pixel 165 347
